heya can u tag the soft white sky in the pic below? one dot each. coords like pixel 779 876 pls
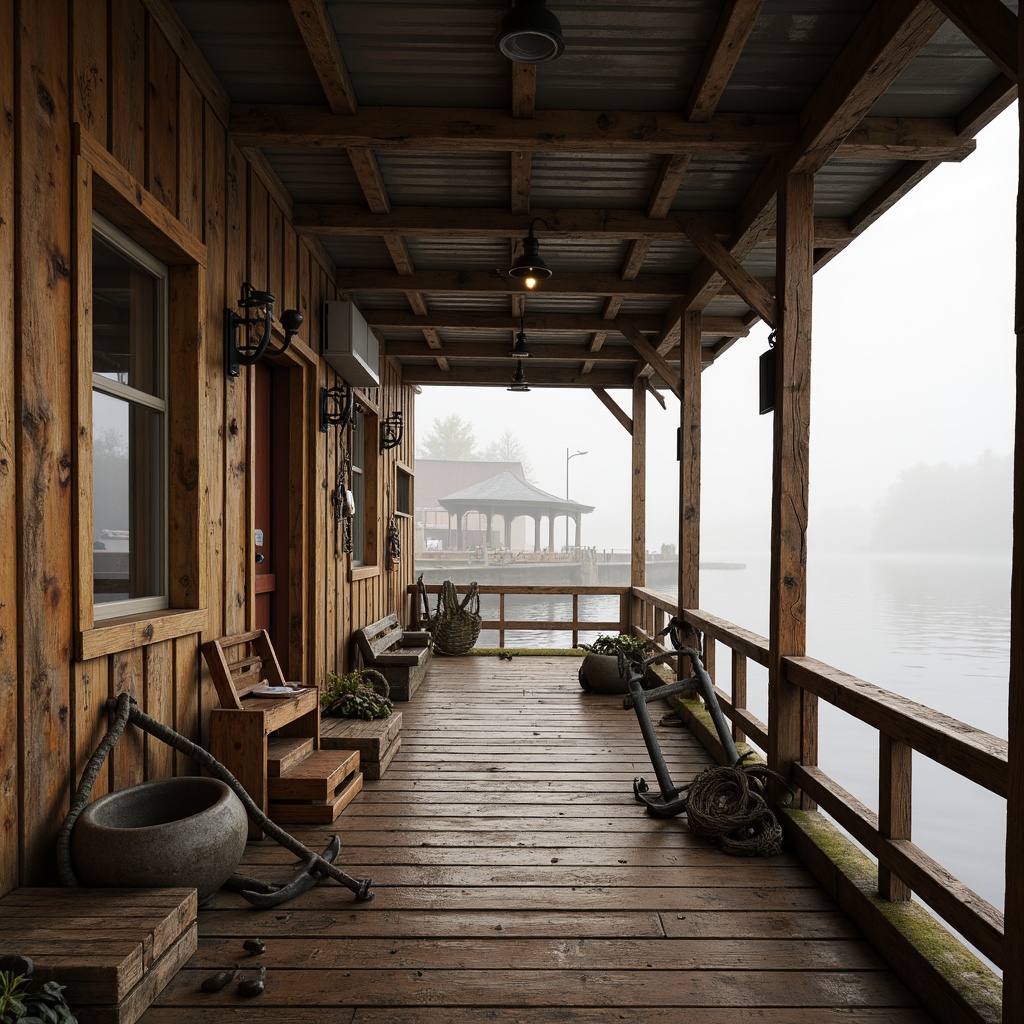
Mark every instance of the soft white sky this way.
pixel 913 361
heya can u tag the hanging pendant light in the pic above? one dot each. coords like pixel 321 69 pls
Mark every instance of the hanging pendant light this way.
pixel 519 349
pixel 529 267
pixel 530 33
pixel 519 382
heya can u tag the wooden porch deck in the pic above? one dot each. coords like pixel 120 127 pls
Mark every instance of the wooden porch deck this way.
pixel 519 882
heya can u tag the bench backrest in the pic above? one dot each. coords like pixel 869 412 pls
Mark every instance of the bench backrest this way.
pixel 240 662
pixel 379 636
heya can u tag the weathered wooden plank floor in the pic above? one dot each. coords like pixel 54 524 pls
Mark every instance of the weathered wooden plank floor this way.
pixel 519 882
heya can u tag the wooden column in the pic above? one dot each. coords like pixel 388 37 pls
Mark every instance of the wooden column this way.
pixel 1013 919
pixel 792 715
pixel 689 463
pixel 638 549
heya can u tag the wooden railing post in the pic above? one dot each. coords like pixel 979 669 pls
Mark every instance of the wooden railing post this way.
pixel 739 691
pixel 894 807
pixel 689 464
pixel 792 714
pixel 638 549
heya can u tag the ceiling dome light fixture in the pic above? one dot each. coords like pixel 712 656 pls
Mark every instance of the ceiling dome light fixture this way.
pixel 519 382
pixel 529 267
pixel 530 33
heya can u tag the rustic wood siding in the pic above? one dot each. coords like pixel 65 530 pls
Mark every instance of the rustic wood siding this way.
pixel 122 70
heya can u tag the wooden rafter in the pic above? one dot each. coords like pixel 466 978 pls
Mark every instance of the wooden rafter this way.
pixel 669 374
pixel 734 26
pixel 548 350
pixel 991 26
pixel 318 34
pixel 498 373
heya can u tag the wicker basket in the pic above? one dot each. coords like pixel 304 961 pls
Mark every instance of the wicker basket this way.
pixel 455 625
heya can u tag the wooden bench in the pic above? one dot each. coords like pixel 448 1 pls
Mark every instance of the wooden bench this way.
pixel 401 657
pixel 272 744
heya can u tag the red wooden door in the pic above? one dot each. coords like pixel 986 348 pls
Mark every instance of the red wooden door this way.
pixel 270 480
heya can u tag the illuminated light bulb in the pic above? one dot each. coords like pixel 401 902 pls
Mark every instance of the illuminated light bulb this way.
pixel 531 283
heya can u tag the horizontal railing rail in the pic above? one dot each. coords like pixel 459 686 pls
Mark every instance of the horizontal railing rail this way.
pixel 574 624
pixel 903 726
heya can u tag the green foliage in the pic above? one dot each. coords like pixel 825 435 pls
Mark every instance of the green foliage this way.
pixel 619 643
pixel 450 438
pixel 508 448
pixel 351 696
pixel 24 1000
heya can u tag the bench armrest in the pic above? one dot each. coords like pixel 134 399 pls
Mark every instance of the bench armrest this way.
pixel 417 638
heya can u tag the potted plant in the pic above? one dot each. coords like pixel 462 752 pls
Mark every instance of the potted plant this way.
pixel 600 671
pixel 25 998
pixel 360 694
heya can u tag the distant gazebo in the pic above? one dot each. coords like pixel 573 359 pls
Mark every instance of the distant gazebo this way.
pixel 507 496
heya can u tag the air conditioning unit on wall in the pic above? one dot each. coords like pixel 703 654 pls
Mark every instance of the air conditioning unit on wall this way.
pixel 349 346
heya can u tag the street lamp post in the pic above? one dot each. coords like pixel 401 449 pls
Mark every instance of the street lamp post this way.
pixel 567 458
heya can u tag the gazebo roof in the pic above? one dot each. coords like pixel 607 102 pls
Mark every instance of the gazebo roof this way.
pixel 506 489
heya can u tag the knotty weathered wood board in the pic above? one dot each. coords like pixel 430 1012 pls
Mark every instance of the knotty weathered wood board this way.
pixel 517 881
pixel 377 742
pixel 114 949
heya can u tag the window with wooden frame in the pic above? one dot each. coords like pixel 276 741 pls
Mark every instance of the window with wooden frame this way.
pixel 365 456
pixel 139 318
pixel 403 490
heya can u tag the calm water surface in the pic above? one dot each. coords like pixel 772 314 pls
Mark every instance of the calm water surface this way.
pixel 935 629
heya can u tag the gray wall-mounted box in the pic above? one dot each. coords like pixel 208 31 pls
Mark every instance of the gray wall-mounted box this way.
pixel 349 346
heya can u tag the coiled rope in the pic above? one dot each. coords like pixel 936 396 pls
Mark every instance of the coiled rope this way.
pixel 728 805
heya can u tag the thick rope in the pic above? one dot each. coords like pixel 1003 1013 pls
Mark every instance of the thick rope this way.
pixel 127 710
pixel 727 805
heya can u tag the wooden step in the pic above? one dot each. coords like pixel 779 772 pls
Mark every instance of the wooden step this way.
pixel 284 752
pixel 114 949
pixel 372 739
pixel 313 812
pixel 316 777
pixel 376 769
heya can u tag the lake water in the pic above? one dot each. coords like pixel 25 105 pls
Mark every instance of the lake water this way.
pixel 934 628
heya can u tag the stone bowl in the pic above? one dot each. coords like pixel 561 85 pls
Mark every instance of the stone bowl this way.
pixel 599 673
pixel 185 832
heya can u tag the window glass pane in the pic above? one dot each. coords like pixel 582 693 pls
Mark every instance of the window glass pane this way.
pixel 125 321
pixel 128 500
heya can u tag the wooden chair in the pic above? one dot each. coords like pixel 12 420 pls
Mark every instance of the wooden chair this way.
pixel 272 744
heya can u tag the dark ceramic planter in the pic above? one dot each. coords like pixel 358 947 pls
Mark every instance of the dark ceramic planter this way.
pixel 599 673
pixel 187 832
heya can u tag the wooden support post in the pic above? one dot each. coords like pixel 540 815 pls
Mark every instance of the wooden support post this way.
pixel 792 714
pixel 638 553
pixel 1013 920
pixel 689 464
pixel 894 808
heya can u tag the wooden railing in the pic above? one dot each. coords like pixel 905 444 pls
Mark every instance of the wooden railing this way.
pixel 574 624
pixel 903 726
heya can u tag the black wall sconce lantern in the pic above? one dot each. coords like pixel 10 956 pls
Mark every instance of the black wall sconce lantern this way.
pixel 519 382
pixel 529 267
pixel 767 377
pixel 390 431
pixel 335 407
pixel 257 320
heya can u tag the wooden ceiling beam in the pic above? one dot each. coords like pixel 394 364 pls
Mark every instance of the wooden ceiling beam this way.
pixel 524 90
pixel 495 283
pixel 499 375
pixel 990 26
pixel 537 323
pixel 539 351
pixel 670 177
pixel 735 24
pixel 482 130
pixel 492 222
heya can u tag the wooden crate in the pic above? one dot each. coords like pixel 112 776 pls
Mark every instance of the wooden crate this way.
pixel 114 949
pixel 316 790
pixel 377 741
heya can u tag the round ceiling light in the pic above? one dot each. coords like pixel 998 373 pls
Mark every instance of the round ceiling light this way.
pixel 530 33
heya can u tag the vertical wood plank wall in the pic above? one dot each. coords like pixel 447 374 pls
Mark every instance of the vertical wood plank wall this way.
pixel 126 76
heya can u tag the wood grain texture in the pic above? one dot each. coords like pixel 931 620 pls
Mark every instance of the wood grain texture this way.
pixel 505 893
pixel 689 463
